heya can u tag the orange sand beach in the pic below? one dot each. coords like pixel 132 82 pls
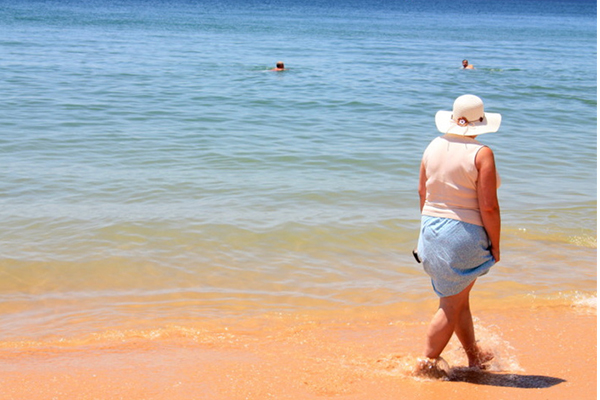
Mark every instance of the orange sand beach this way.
pixel 543 351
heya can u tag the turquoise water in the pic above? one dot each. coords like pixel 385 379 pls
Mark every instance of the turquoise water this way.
pixel 155 169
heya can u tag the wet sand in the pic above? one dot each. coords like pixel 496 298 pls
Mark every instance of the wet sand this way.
pixel 544 352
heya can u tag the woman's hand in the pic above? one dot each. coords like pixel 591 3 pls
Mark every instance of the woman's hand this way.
pixel 495 253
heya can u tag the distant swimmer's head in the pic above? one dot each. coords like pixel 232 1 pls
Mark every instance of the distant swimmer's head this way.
pixel 467 118
pixel 279 66
pixel 466 65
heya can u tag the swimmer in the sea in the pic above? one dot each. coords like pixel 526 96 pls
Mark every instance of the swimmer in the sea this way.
pixel 279 66
pixel 466 65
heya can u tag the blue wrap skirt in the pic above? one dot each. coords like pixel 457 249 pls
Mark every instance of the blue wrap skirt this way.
pixel 454 253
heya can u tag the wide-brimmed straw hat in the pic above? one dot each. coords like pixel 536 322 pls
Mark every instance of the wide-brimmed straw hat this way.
pixel 467 118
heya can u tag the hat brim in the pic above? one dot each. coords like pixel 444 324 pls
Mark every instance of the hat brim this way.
pixel 445 124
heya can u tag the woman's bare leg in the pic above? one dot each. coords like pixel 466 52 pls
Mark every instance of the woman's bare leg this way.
pixel 454 316
pixel 450 314
pixel 466 335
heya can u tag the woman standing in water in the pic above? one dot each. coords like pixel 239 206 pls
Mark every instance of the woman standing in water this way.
pixel 460 223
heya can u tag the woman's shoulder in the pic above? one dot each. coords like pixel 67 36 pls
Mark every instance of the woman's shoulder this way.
pixel 436 140
pixel 484 155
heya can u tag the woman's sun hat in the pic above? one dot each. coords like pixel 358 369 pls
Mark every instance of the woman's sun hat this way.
pixel 467 118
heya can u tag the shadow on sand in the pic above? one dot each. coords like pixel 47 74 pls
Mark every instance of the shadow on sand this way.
pixel 503 380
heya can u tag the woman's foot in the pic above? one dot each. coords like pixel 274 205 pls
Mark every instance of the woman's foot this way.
pixel 431 368
pixel 480 359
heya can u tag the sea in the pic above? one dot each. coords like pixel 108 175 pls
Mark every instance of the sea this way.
pixel 156 173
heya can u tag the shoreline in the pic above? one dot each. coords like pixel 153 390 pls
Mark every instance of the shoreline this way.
pixel 541 352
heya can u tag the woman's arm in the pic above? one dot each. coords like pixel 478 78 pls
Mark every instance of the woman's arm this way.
pixel 488 199
pixel 422 188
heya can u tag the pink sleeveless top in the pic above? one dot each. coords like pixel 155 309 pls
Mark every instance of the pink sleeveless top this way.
pixel 451 183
